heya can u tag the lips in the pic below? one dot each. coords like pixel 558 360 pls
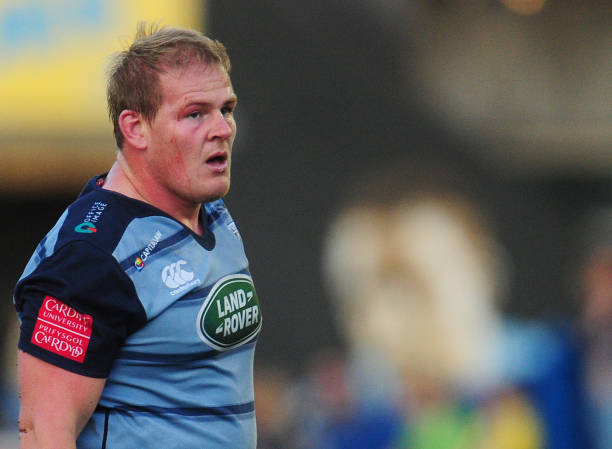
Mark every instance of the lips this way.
pixel 218 161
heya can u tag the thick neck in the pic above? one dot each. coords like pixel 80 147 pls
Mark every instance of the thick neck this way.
pixel 123 179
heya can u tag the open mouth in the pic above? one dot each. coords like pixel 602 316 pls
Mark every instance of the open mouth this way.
pixel 217 159
pixel 218 162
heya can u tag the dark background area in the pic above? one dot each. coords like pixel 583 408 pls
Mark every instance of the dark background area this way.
pixel 320 87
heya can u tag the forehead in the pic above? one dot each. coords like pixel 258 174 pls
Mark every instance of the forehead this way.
pixel 196 79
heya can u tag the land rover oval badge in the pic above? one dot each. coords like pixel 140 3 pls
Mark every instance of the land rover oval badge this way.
pixel 230 315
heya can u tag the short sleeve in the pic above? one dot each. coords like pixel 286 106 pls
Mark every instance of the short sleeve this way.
pixel 76 309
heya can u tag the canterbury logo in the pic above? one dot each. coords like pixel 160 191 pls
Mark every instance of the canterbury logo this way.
pixel 174 275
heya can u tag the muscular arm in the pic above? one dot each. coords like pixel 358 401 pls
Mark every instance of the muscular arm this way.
pixel 55 404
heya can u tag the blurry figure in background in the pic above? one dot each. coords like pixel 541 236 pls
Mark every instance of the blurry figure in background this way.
pixel 596 323
pixel 417 276
pixel 271 391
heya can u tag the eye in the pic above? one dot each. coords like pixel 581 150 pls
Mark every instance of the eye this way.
pixel 227 110
pixel 194 114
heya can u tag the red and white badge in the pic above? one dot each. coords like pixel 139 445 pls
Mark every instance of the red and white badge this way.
pixel 62 330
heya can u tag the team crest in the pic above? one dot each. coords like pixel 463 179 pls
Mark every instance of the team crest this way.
pixel 230 315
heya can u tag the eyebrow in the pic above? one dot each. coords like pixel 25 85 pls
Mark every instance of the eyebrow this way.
pixel 232 99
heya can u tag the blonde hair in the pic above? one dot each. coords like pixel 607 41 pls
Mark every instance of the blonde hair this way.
pixel 133 74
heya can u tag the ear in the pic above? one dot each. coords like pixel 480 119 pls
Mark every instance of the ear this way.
pixel 132 127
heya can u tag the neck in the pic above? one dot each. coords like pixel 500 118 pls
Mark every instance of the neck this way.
pixel 123 179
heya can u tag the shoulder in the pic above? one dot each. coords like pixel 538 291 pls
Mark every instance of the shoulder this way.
pixel 100 225
pixel 88 219
pixel 105 219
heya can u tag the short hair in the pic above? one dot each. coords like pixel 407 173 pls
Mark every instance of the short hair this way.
pixel 133 74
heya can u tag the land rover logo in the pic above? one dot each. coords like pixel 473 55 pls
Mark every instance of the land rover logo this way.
pixel 230 315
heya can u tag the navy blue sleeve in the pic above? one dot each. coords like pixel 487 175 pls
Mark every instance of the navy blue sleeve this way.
pixel 76 309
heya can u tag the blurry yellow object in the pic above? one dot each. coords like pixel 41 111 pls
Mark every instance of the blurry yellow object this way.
pixel 513 424
pixel 54 53
pixel 508 422
pixel 54 128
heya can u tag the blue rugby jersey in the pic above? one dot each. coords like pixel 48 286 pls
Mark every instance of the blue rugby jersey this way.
pixel 120 290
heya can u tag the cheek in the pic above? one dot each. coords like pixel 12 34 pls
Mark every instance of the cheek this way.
pixel 187 140
pixel 168 161
pixel 171 154
pixel 178 146
pixel 173 137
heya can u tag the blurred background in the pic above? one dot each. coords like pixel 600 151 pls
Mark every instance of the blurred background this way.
pixel 448 161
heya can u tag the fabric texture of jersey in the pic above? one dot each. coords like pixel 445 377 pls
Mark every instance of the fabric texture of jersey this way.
pixel 120 290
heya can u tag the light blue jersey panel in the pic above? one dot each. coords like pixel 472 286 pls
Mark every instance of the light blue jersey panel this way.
pixel 178 432
pixel 45 248
pixel 170 387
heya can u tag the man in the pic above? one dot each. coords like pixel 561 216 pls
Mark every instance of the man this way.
pixel 138 313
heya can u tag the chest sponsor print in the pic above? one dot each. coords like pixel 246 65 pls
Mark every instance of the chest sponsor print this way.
pixel 230 315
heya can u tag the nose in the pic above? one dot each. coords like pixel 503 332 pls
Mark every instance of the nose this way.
pixel 222 126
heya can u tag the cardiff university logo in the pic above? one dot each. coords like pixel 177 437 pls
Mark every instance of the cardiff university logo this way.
pixel 174 275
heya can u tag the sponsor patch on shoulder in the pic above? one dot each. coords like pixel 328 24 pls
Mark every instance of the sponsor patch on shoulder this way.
pixel 62 330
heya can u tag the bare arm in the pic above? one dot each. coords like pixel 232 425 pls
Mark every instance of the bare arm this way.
pixel 55 404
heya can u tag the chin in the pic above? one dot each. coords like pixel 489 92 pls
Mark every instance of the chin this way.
pixel 215 193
